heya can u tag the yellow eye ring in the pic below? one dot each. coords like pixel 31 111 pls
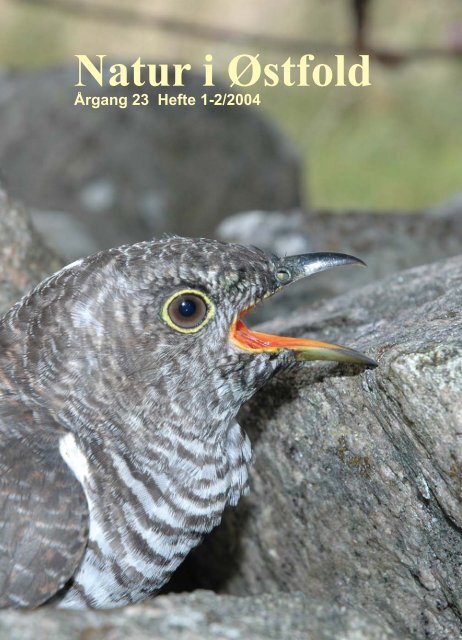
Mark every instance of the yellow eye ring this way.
pixel 188 311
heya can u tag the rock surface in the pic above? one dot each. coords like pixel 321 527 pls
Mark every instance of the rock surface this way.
pixel 24 258
pixel 357 484
pixel 129 174
pixel 388 241
pixel 200 616
pixel 279 232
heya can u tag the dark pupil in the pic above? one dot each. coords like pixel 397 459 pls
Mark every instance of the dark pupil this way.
pixel 187 308
pixel 187 311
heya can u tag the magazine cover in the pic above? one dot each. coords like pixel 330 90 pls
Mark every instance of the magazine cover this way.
pixel 230 319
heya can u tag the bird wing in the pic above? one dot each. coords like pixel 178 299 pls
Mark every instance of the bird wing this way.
pixel 43 510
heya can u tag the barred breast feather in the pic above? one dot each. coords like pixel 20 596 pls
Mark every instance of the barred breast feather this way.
pixel 146 515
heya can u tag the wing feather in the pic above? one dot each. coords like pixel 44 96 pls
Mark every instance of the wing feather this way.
pixel 43 509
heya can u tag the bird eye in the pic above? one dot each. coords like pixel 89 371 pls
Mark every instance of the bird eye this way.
pixel 188 311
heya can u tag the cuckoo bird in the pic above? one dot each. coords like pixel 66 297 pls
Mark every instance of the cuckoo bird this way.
pixel 120 380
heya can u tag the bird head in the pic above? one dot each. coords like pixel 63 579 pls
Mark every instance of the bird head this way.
pixel 157 328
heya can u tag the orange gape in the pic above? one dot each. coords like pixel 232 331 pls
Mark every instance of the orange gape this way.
pixel 244 338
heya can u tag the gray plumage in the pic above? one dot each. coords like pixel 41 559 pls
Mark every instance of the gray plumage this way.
pixel 119 448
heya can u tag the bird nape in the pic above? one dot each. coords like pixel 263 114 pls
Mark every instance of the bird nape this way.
pixel 120 380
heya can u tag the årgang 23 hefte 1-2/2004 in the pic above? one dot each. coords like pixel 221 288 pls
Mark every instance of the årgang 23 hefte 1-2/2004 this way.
pixel 166 99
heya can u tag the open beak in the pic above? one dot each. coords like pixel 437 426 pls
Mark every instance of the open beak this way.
pixel 291 269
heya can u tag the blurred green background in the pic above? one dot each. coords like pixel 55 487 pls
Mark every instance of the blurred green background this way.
pixel 396 144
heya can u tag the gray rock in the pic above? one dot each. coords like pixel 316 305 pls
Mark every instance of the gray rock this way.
pixel 357 484
pixel 129 174
pixel 388 241
pixel 24 258
pixel 66 231
pixel 201 616
pixel 282 233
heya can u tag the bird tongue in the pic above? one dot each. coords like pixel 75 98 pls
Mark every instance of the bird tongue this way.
pixel 303 348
